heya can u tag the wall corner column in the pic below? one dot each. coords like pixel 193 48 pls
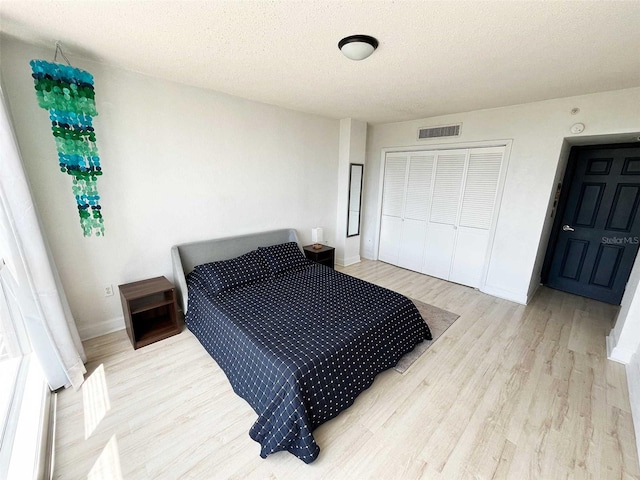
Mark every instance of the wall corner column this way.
pixel 624 340
pixel 352 149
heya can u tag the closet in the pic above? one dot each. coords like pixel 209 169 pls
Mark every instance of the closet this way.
pixel 437 211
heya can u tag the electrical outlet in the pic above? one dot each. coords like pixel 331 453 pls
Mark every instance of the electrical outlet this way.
pixel 108 290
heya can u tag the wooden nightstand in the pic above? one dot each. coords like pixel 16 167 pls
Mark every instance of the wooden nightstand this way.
pixel 325 255
pixel 150 310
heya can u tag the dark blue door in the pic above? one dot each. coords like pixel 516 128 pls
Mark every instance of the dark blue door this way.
pixel 598 237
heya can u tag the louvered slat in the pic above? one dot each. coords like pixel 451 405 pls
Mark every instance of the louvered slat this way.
pixel 480 190
pixel 447 188
pixel 394 179
pixel 419 187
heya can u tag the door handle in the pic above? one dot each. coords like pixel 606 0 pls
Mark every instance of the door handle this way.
pixel 568 228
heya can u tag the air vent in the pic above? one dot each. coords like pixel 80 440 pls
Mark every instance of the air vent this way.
pixel 437 132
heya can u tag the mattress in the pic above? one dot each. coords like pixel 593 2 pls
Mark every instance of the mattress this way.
pixel 299 347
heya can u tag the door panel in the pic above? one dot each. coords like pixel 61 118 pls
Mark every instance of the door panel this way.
pixel 480 187
pixel 574 256
pixel 606 265
pixel 469 256
pixel 631 166
pixel 416 209
pixel 588 204
pixel 447 187
pixel 419 187
pixel 595 251
pixel 414 234
pixel 393 192
pixel 390 237
pixel 625 207
pixel 439 250
pixel 443 218
pixel 393 195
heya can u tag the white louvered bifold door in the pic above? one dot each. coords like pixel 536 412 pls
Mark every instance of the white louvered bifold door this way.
pixel 445 207
pixel 438 209
pixel 393 194
pixel 416 210
pixel 476 215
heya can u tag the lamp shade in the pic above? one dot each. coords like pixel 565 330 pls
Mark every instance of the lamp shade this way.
pixel 317 235
pixel 357 47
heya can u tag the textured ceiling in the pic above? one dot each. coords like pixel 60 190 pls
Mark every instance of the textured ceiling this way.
pixel 434 57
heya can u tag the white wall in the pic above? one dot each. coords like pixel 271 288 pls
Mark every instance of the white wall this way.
pixel 623 343
pixel 624 340
pixel 538 131
pixel 180 164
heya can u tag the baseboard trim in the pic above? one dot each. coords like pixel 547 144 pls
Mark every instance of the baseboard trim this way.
pixel 633 381
pixel 368 254
pixel 618 354
pixel 610 346
pixel 97 330
pixel 505 294
pixel 345 262
pixel 532 292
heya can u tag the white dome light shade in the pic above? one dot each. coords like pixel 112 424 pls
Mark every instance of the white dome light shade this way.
pixel 357 47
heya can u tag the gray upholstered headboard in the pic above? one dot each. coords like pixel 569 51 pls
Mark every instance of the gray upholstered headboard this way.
pixel 187 256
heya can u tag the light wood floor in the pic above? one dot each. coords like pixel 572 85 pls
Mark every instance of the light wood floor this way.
pixel 508 392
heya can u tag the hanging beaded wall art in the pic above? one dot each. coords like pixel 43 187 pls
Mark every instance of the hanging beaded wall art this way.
pixel 68 94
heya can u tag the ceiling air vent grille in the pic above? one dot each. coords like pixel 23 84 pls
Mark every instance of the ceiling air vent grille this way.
pixel 438 132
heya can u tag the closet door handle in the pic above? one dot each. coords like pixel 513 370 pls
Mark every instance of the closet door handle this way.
pixel 568 228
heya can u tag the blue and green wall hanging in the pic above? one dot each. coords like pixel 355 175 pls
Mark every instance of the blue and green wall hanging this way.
pixel 68 94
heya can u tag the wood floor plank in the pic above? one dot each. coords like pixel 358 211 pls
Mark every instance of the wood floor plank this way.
pixel 507 392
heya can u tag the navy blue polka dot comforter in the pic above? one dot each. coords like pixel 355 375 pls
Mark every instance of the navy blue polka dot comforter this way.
pixel 300 346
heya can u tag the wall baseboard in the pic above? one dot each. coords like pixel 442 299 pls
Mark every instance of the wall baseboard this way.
pixel 520 298
pixel 532 291
pixel 102 328
pixel 633 380
pixel 368 254
pixel 345 262
pixel 618 354
pixel 610 345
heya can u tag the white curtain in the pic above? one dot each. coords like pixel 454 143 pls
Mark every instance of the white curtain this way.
pixel 52 331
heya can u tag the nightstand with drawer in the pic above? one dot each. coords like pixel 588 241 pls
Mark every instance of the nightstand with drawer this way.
pixel 324 255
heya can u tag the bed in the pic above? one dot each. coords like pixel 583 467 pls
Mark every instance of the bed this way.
pixel 297 340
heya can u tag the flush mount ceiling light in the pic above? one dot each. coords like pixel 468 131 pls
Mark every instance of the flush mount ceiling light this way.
pixel 357 47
